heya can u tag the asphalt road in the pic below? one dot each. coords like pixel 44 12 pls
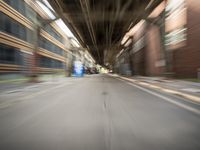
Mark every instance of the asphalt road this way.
pixel 97 112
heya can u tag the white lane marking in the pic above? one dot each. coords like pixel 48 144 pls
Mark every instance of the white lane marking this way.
pixel 194 90
pixel 193 99
pixel 196 111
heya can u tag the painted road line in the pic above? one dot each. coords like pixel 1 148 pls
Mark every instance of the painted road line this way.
pixel 195 99
pixel 179 104
pixel 194 90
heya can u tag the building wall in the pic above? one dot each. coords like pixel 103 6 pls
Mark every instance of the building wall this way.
pixel 148 57
pixel 18 36
pixel 153 49
pixel 182 55
pixel 187 58
pixel 138 51
pixel 139 62
pixel 173 49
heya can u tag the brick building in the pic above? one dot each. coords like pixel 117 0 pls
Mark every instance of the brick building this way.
pixel 184 24
pixel 167 42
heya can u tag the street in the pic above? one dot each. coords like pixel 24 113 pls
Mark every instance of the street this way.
pixel 96 112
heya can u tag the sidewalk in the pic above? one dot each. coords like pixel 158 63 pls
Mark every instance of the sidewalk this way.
pixel 186 89
pixel 14 84
pixel 173 84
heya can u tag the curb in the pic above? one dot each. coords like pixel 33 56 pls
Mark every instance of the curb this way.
pixel 13 81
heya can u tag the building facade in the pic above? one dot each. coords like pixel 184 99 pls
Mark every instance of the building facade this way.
pixel 30 43
pixel 167 41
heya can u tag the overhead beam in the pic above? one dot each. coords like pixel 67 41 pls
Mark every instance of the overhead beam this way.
pixel 100 17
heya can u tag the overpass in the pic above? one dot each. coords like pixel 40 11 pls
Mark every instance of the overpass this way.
pixel 100 25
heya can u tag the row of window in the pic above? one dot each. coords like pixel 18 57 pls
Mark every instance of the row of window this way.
pixel 29 13
pixel 22 8
pixel 18 30
pixel 46 44
pixel 9 55
pixel 14 28
pixel 50 63
pixel 53 33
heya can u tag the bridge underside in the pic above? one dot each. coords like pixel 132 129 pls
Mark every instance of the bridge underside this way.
pixel 100 25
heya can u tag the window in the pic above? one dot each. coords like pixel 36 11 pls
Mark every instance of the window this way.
pixel 138 45
pixel 18 5
pixel 50 63
pixel 175 36
pixel 30 36
pixel 23 8
pixel 5 24
pixel 173 5
pixel 44 43
pixel 14 28
pixel 9 55
pixel 53 33
pixel 30 13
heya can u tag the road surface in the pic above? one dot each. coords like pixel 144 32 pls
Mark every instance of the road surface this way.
pixel 97 112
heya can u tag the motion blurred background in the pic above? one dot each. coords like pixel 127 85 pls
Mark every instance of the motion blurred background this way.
pixel 99 74
pixel 148 38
